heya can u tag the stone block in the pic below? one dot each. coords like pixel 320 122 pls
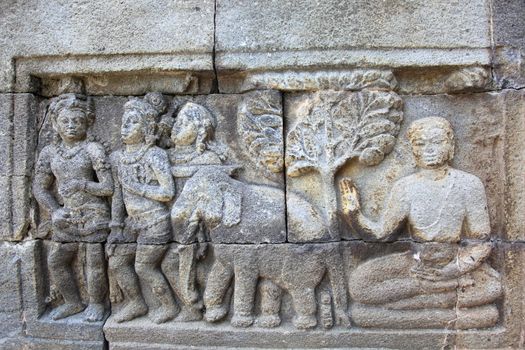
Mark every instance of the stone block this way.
pixel 279 35
pixel 18 134
pixel 248 143
pixel 129 36
pixel 24 298
pixel 509 33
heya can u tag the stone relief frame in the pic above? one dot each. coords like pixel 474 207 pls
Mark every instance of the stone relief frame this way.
pixel 269 289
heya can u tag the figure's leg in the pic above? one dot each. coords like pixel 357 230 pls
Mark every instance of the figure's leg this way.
pixel 96 282
pixel 121 265
pixel 425 301
pixel 59 261
pixel 387 279
pixel 305 307
pixel 479 287
pixel 147 265
pixel 477 317
pixel 244 294
pixel 270 304
pixel 333 260
pixel 217 285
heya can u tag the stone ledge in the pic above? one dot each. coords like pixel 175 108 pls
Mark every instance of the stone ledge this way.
pixel 142 334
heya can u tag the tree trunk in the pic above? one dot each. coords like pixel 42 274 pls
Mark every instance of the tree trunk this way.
pixel 330 203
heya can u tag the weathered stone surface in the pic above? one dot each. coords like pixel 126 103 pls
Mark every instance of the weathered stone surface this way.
pixel 25 321
pixel 513 103
pixel 218 174
pixel 277 35
pixel 18 134
pixel 509 42
pixel 506 258
pixel 100 37
pixel 290 80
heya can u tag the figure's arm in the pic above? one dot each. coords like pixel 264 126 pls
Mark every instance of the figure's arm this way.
pixel 477 248
pixel 43 181
pixel 104 186
pixel 118 209
pixel 394 213
pixel 165 191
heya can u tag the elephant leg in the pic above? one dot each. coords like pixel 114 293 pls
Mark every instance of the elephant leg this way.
pixel 244 295
pixel 305 307
pixel 270 304
pixel 336 275
pixel 217 286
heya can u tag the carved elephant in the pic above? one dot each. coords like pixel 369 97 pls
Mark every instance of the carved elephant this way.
pixel 297 268
pixel 232 211
pixel 237 213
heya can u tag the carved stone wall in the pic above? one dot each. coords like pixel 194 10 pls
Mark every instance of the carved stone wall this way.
pixel 272 174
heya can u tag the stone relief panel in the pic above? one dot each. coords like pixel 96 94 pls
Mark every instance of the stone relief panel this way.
pixel 173 209
pixel 325 131
pixel 449 285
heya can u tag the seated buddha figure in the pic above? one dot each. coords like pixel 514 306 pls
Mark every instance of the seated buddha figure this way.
pixel 444 280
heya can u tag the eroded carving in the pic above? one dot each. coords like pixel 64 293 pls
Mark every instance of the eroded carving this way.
pixel 194 148
pixel 440 283
pixel 143 188
pixel 320 80
pixel 79 211
pixel 335 127
pixel 260 127
pixel 298 269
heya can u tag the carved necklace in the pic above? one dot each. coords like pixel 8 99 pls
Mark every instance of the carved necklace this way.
pixel 68 153
pixel 184 155
pixel 135 156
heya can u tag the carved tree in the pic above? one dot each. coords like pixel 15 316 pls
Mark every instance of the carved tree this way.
pixel 260 126
pixel 335 127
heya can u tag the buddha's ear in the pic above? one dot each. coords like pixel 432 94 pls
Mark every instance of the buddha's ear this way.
pixel 451 150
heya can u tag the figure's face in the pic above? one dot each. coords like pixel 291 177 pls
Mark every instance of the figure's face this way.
pixel 431 148
pixel 132 129
pixel 72 125
pixel 184 131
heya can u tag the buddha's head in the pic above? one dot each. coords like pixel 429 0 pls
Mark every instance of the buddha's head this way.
pixel 71 116
pixel 432 141
pixel 139 122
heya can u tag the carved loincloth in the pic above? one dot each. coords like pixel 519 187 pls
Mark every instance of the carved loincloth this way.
pixel 86 223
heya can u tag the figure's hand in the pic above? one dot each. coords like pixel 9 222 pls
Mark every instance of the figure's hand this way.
pixel 134 187
pixel 72 187
pixel 201 250
pixel 349 196
pixel 60 218
pixel 465 281
pixel 116 236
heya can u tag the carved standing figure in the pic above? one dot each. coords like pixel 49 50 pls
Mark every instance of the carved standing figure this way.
pixel 442 283
pixel 143 188
pixel 193 148
pixel 80 213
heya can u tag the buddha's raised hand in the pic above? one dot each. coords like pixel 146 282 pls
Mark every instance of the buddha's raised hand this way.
pixel 349 196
